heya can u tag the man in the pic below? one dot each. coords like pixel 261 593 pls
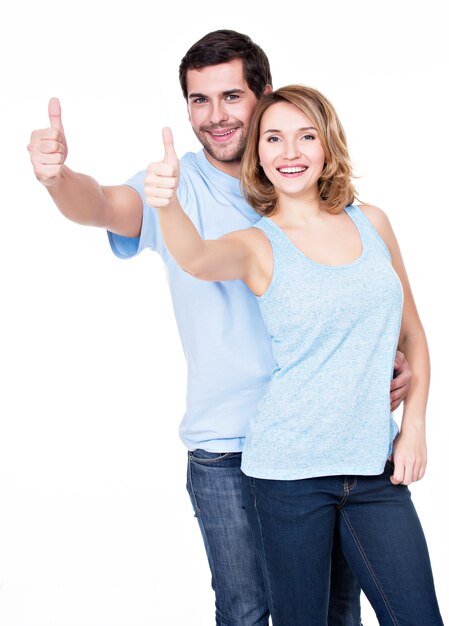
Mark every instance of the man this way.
pixel 226 345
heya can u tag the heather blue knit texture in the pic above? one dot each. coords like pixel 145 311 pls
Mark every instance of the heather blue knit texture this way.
pixel 334 331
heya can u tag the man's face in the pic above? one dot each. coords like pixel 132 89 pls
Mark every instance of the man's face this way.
pixel 220 106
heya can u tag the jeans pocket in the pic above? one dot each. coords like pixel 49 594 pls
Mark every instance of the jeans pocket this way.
pixel 203 457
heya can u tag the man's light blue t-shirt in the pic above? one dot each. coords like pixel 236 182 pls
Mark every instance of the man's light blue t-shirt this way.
pixel 227 348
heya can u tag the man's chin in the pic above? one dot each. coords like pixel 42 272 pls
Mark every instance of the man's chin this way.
pixel 225 156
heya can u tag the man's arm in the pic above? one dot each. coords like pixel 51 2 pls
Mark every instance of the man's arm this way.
pixel 79 197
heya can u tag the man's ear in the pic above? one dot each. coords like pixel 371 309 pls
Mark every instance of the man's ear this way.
pixel 268 89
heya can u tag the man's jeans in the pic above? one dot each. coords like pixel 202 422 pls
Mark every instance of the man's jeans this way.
pixel 294 524
pixel 214 483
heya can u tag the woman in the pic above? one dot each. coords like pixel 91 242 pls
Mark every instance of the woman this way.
pixel 323 451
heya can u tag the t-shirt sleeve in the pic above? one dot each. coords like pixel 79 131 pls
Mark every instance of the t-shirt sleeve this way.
pixel 150 234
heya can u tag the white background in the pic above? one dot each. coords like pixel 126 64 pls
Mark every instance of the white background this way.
pixel 96 528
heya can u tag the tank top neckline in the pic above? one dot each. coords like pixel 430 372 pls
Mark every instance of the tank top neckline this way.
pixel 308 259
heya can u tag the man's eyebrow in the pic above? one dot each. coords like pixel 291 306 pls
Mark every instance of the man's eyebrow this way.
pixel 276 130
pixel 228 92
pixel 197 95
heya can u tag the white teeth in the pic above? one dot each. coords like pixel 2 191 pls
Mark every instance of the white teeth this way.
pixel 292 170
pixel 223 134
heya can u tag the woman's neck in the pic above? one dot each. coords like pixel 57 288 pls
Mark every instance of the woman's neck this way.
pixel 298 210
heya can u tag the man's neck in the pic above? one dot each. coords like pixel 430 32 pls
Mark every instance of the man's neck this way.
pixel 232 168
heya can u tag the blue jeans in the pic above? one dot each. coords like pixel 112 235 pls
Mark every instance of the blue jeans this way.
pixel 294 523
pixel 214 483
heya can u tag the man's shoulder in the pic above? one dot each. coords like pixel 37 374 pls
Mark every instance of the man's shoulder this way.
pixel 189 161
pixel 195 167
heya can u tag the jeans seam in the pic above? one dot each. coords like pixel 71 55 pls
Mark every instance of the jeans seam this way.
pixel 369 568
pixel 346 489
pixel 267 578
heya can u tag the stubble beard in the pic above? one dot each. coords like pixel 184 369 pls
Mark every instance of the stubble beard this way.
pixel 224 155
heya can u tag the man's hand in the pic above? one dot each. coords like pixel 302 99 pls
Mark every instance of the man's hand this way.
pixel 161 180
pixel 48 147
pixel 400 384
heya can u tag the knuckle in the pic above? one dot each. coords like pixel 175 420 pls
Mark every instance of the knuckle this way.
pixel 36 135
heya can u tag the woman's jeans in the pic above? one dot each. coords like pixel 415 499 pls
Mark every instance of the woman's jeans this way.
pixel 381 538
pixel 214 483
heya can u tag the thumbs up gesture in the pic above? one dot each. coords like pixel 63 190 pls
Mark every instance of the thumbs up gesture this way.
pixel 161 180
pixel 48 147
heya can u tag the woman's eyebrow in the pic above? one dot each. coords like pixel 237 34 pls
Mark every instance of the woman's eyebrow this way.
pixel 276 130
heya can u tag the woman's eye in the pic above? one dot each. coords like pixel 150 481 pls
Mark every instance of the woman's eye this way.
pixel 273 139
pixel 309 137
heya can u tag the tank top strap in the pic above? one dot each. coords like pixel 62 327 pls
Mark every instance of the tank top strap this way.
pixel 368 233
pixel 278 239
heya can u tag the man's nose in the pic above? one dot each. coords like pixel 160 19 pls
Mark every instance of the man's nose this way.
pixel 218 113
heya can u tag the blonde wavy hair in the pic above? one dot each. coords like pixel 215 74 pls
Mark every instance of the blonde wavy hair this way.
pixel 334 185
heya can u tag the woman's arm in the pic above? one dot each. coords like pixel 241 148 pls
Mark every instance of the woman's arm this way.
pixel 410 455
pixel 228 258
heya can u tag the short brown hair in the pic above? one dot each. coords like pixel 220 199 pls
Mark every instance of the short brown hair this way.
pixel 335 186
pixel 222 46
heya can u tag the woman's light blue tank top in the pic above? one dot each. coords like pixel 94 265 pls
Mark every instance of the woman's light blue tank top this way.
pixel 334 330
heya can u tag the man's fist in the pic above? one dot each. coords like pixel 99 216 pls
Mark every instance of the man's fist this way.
pixel 48 147
pixel 161 180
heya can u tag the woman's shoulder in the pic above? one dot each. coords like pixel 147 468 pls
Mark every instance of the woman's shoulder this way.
pixel 380 222
pixel 253 238
pixel 375 214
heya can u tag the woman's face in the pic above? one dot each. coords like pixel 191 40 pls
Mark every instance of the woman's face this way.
pixel 290 151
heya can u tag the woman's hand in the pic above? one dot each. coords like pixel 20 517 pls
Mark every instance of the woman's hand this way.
pixel 409 455
pixel 161 181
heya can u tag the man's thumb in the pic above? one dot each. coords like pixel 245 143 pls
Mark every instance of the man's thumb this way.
pixel 170 154
pixel 54 113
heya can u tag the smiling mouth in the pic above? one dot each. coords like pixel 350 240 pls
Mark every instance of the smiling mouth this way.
pixel 292 170
pixel 222 135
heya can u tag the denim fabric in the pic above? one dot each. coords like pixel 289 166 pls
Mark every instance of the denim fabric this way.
pixel 294 523
pixel 214 483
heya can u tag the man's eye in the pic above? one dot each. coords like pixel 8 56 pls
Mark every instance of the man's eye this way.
pixel 232 96
pixel 199 100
